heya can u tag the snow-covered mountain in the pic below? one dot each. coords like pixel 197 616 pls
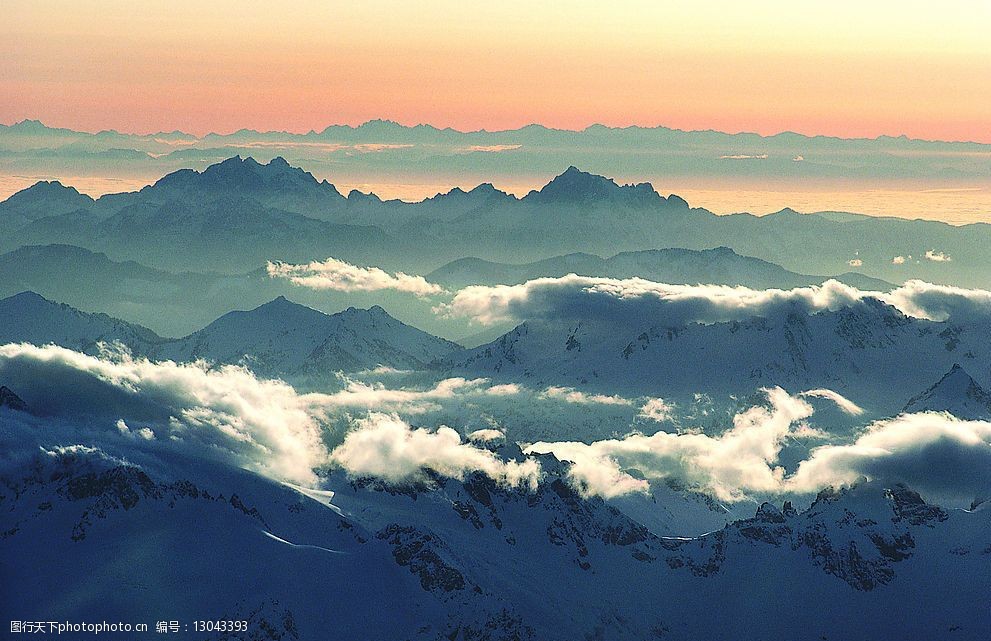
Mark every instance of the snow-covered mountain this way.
pixel 869 352
pixel 29 318
pixel 471 560
pixel 957 393
pixel 277 339
pixel 281 338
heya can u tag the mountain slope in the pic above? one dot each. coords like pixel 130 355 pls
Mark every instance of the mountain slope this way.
pixel 45 198
pixel 27 317
pixel 957 393
pixel 196 220
pixel 277 339
pixel 275 185
pixel 474 560
pixel 719 266
pixel 281 338
pixel 795 350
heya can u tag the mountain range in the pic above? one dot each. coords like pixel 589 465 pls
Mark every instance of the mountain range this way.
pixel 630 358
pixel 590 412
pixel 178 303
pixel 870 352
pixel 718 266
pixel 389 151
pixel 192 221
pixel 277 339
pixel 473 560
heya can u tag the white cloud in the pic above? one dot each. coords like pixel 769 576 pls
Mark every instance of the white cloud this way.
pixel 386 447
pixel 855 262
pixel 338 275
pixel 571 395
pixel 258 424
pixel 729 465
pixel 376 396
pixel 507 389
pixel 933 453
pixel 268 427
pixel 937 257
pixel 635 300
pixel 657 409
pixel 143 432
pixel 841 401
pixel 939 302
pixel 939 455
pixel 262 425
pixel 900 260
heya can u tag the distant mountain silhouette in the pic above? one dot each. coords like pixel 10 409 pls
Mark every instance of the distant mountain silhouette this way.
pixel 275 184
pixel 42 199
pixel 282 338
pixel 719 266
pixel 278 339
pixel 30 318
pixel 235 215
pixel 579 187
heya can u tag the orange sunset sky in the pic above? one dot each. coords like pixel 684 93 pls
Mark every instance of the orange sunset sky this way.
pixel 845 68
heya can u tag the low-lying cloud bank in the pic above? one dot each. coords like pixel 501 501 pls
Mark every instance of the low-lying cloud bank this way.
pixel 263 425
pixel 740 460
pixel 337 275
pixel 258 424
pixel 935 453
pixel 575 297
pixel 228 413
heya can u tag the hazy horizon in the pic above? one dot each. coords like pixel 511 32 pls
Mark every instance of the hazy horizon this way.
pixel 723 172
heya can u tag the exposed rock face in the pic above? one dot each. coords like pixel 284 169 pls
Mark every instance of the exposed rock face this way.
pixel 9 399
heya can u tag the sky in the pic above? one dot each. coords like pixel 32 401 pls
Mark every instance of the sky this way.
pixel 844 68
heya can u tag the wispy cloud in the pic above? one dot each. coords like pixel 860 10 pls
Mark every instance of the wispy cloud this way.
pixel 571 395
pixel 744 157
pixel 227 412
pixel 493 148
pixel 841 401
pixel 936 454
pixel 337 275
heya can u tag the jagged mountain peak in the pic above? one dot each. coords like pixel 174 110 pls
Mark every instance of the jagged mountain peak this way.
pixel 245 174
pixel 283 338
pixel 51 195
pixel 956 392
pixel 359 196
pixel 575 186
pixel 481 192
pixel 26 298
